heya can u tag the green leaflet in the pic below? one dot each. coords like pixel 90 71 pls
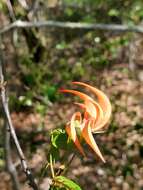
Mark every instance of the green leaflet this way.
pixel 59 139
pixel 66 183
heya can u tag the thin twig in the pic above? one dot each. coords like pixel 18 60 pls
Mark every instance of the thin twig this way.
pixel 11 130
pixel 10 9
pixel 12 19
pixel 11 168
pixel 9 164
pixel 67 165
pixel 24 4
pixel 71 25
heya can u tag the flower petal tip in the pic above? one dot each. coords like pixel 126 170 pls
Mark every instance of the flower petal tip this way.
pixel 75 82
pixel 62 90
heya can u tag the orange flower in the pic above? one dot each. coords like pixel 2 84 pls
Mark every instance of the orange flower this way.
pixel 96 117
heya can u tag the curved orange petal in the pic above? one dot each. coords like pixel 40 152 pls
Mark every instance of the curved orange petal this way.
pixel 76 117
pixel 99 115
pixel 91 109
pixel 71 131
pixel 86 98
pixel 82 106
pixel 86 115
pixel 74 139
pixel 88 137
pixel 90 112
pixel 77 93
pixel 104 102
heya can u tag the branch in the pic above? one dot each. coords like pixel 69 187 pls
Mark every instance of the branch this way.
pixel 11 130
pixel 10 9
pixel 9 164
pixel 24 4
pixel 71 25
pixel 10 167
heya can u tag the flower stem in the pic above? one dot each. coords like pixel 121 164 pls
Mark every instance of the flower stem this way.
pixel 51 166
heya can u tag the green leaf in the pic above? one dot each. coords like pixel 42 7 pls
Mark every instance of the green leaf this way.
pixel 57 188
pixel 59 138
pixel 67 183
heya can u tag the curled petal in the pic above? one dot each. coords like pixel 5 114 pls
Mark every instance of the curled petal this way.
pixel 86 115
pixel 88 137
pixel 85 98
pixel 76 117
pixel 103 102
pixel 71 131
pixel 90 112
pixel 82 106
pixel 77 93
pixel 91 109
